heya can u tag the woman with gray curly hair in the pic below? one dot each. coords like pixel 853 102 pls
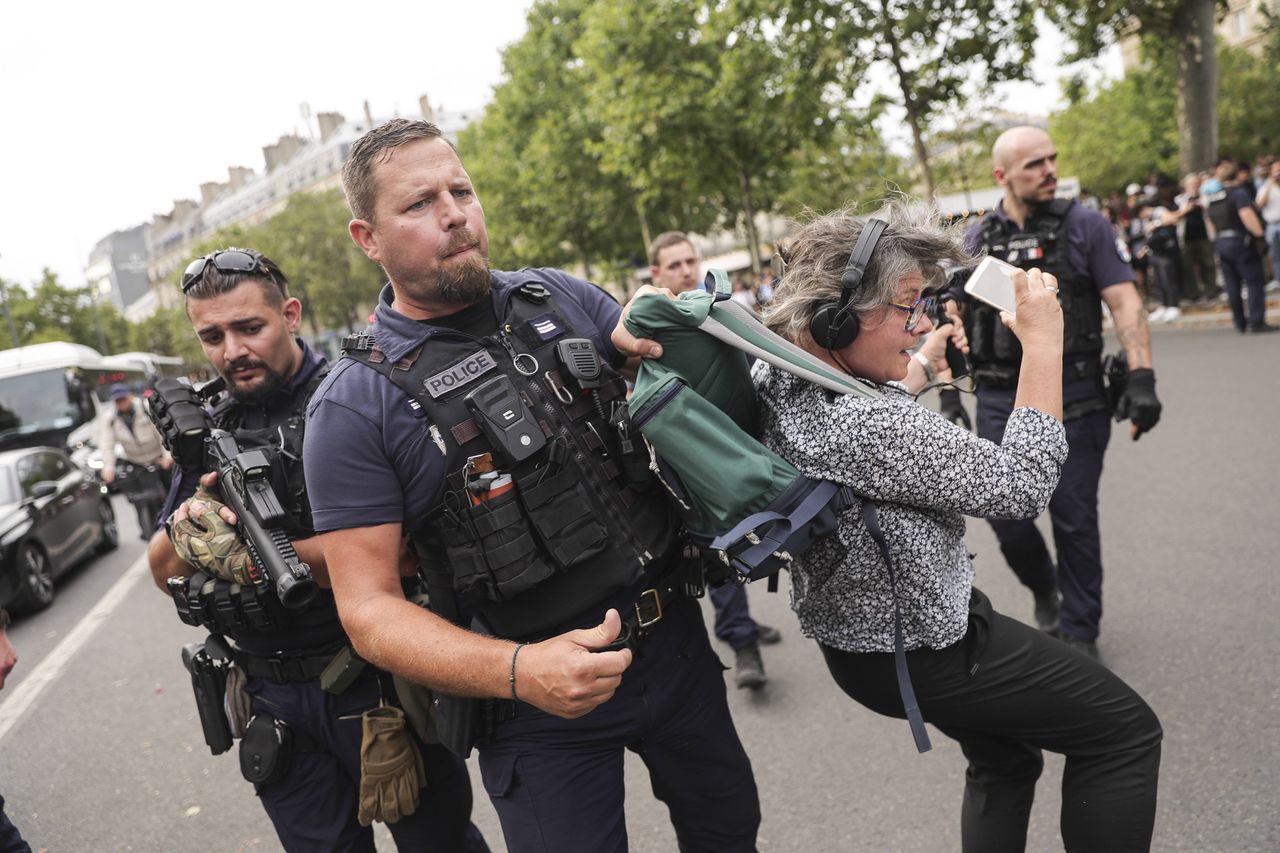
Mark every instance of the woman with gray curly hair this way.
pixel 1004 690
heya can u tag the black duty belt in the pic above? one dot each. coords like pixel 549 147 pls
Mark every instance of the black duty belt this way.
pixel 283 668
pixel 638 621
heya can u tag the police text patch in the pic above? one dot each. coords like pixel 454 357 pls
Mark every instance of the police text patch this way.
pixel 465 371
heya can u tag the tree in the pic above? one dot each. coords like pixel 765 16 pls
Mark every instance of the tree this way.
pixel 940 52
pixel 707 100
pixel 1127 129
pixel 853 164
pixel 1189 24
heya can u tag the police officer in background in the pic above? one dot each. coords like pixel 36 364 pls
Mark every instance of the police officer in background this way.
pixel 1237 235
pixel 127 426
pixel 485 418
pixel 674 264
pixel 239 305
pixel 1030 228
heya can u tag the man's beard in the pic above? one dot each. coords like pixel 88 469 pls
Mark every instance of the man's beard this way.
pixel 270 384
pixel 466 283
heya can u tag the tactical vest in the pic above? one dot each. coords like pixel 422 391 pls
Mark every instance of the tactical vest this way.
pixel 250 616
pixel 519 548
pixel 1223 216
pixel 994 351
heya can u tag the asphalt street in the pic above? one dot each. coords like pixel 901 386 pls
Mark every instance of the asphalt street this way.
pixel 100 746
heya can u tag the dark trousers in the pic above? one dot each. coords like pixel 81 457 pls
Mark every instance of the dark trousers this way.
pixel 1166 273
pixel 1200 278
pixel 314 808
pixel 1073 510
pixel 1007 691
pixel 10 839
pixel 557 784
pixel 734 624
pixel 1241 264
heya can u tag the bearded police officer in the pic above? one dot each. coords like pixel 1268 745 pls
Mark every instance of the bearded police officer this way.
pixel 1031 229
pixel 1237 234
pixel 485 418
pixel 239 304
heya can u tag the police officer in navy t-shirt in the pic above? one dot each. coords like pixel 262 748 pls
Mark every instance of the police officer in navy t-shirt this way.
pixel 1031 229
pixel 484 419
pixel 1237 234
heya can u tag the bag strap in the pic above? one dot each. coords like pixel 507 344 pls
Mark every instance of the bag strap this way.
pixel 871 519
pixel 776 534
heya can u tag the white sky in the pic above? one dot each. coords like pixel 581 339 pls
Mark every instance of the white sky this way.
pixel 110 111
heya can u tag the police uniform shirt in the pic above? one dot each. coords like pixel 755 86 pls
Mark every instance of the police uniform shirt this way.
pixel 1093 251
pixel 1237 199
pixel 369 456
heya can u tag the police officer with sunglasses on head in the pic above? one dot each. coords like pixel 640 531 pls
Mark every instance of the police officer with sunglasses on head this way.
pixel 317 712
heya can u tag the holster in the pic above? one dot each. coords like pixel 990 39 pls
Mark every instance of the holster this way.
pixel 266 750
pixel 209 682
pixel 457 721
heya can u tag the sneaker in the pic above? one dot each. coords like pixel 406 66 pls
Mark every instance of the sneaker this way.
pixel 1263 329
pixel 1272 286
pixel 767 636
pixel 1158 315
pixel 1048 605
pixel 749 668
pixel 1172 314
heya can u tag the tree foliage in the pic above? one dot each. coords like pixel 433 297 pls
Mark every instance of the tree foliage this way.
pixel 1127 129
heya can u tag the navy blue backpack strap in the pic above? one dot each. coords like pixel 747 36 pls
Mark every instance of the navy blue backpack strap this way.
pixel 871 518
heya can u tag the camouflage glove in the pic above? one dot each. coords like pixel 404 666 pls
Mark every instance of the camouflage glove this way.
pixel 208 543
pixel 391 771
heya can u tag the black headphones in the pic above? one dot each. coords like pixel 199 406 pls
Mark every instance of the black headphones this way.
pixel 834 326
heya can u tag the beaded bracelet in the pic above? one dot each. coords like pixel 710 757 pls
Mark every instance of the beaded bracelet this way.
pixel 512 677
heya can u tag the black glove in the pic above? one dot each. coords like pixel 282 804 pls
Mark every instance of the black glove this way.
pixel 949 407
pixel 1138 403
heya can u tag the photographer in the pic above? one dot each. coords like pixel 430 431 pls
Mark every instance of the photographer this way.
pixel 146 461
pixel 326 793
pixel 1002 689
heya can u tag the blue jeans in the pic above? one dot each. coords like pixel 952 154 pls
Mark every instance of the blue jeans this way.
pixel 1273 245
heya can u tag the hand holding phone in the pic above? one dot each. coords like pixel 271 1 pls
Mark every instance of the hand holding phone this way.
pixel 992 282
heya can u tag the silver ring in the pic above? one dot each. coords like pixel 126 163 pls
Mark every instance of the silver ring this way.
pixel 1052 289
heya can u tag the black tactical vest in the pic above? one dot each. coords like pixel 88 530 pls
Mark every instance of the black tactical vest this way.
pixel 316 626
pixel 1223 216
pixel 526 546
pixel 994 351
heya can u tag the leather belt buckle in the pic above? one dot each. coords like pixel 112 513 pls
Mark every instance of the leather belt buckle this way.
pixel 655 609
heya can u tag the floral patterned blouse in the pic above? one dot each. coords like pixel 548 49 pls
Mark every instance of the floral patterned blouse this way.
pixel 925 474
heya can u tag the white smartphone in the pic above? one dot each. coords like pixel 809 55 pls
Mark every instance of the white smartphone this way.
pixel 992 282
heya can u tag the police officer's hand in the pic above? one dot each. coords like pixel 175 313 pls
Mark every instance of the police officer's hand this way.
pixel 627 343
pixel 1138 403
pixel 206 539
pixel 108 475
pixel 564 677
pixel 1038 322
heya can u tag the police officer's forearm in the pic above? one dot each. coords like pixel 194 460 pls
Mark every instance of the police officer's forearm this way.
pixel 1130 320
pixel 164 561
pixel 1251 222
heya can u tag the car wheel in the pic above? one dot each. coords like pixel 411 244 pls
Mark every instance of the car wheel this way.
pixel 36 588
pixel 110 532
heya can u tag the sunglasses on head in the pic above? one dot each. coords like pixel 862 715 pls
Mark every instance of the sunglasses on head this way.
pixel 227 260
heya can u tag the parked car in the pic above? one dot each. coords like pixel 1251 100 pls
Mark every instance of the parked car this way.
pixel 52 515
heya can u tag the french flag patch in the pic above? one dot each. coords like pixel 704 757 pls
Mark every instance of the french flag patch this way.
pixel 546 327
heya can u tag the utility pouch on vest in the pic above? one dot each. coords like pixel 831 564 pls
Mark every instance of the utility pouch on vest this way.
pixel 489 545
pixel 562 513
pixel 266 750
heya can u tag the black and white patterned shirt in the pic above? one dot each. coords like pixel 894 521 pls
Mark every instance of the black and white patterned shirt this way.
pixel 925 474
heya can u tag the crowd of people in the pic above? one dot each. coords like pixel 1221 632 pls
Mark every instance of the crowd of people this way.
pixel 510 578
pixel 1181 258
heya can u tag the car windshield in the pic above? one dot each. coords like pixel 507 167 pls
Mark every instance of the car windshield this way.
pixel 8 484
pixel 49 399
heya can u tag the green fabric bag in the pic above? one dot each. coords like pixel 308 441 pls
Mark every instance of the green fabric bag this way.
pixel 696 407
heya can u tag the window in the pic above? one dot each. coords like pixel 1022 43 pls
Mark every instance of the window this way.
pixel 1239 24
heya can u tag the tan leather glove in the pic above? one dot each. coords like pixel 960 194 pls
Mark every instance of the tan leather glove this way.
pixel 205 540
pixel 391 771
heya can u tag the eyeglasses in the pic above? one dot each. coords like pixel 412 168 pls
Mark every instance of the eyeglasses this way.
pixel 227 260
pixel 916 310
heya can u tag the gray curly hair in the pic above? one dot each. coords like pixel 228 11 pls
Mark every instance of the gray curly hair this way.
pixel 916 240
